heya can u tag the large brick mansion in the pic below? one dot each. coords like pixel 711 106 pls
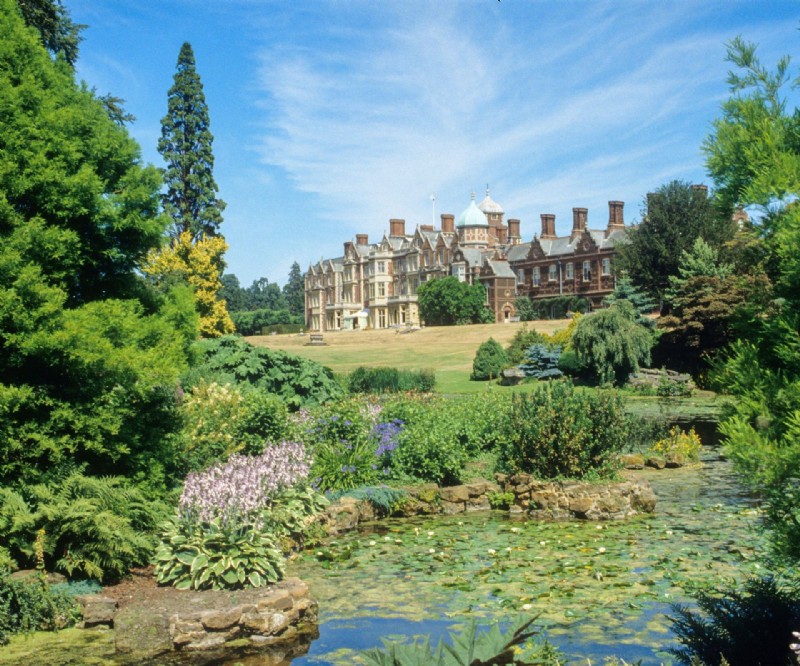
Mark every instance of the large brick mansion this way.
pixel 374 285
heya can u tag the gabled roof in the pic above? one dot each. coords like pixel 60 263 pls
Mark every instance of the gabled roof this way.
pixel 518 252
pixel 500 268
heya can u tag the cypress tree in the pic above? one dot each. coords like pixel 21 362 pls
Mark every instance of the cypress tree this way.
pixel 185 145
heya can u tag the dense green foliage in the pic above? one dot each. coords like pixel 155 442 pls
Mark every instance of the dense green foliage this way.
pixel 522 340
pixel 185 145
pixel 754 157
pixel 390 380
pixel 93 527
pixel 556 307
pixel 231 360
pixel 213 558
pixel 447 301
pixel 611 343
pixel 673 217
pixel 490 360
pixel 89 358
pixel 560 431
pixel 513 647
pixel 752 625
pixel 643 303
pixel 32 605
pixel 294 291
pixel 252 322
pixel 59 34
pixel 219 420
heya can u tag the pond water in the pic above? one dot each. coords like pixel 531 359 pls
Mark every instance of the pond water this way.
pixel 599 589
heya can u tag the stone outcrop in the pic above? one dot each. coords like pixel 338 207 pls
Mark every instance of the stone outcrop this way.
pixel 563 500
pixel 279 621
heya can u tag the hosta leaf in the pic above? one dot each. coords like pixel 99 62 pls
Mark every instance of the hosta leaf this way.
pixel 230 577
pixel 199 562
pixel 186 557
pixel 184 584
pixel 256 580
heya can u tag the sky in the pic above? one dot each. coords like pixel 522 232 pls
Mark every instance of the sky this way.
pixel 331 117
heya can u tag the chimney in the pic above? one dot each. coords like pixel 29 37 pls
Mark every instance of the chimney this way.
pixel 362 239
pixel 548 226
pixel 579 216
pixel 615 216
pixel 502 235
pixel 448 223
pixel 513 231
pixel 426 227
pixel 701 190
pixel 397 227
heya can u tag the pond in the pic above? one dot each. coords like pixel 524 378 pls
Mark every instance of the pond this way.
pixel 599 589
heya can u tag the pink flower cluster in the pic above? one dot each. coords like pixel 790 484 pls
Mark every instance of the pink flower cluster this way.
pixel 238 490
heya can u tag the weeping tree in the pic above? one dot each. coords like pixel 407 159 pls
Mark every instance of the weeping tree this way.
pixel 612 343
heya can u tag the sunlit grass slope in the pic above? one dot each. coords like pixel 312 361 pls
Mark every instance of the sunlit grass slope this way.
pixel 448 350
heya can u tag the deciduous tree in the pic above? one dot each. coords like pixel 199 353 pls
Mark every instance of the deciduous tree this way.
pixel 447 301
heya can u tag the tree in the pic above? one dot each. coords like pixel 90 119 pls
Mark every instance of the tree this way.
pixel 447 301
pixel 672 218
pixel 294 291
pixel 89 356
pixel 58 33
pixel 232 293
pixel 753 155
pixel 264 295
pixel 642 302
pixel 196 265
pixel 490 360
pixel 185 145
pixel 611 343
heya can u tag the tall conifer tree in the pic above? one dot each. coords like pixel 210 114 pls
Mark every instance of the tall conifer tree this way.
pixel 185 144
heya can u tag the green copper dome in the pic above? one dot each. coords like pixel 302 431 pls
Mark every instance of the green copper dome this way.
pixel 472 217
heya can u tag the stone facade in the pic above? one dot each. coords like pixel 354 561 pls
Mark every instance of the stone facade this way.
pixel 374 285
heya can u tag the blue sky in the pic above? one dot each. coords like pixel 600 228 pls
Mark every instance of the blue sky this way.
pixel 330 117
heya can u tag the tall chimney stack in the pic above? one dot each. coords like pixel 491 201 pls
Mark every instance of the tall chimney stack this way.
pixel 362 239
pixel 397 227
pixel 448 223
pixel 701 190
pixel 579 216
pixel 548 226
pixel 616 219
pixel 513 232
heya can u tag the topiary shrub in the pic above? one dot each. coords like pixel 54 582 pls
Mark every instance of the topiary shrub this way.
pixel 489 362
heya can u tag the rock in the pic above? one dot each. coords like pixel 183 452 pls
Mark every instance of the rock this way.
pixel 512 376
pixel 581 506
pixel 632 460
pixel 296 587
pixel 675 460
pixel 217 620
pixel 279 599
pixel 30 575
pixel 454 494
pixel 451 508
pixel 655 462
pixel 206 643
pixel 257 623
pixel 277 623
pixel 97 610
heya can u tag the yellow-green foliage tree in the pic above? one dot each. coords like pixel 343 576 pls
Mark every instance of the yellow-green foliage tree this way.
pixel 196 264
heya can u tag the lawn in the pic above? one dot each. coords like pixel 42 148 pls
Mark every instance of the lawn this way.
pixel 449 350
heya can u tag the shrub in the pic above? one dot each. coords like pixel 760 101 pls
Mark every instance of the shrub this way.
pixel 559 307
pixel 558 431
pixel 489 362
pixel 739 626
pixel 612 344
pixel 570 364
pixel 541 362
pixel 252 322
pixel 220 420
pixel 521 342
pixel 679 444
pixel 563 337
pixel 32 605
pixel 382 498
pixel 390 380
pixel 296 380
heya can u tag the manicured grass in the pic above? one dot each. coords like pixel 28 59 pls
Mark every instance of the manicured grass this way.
pixel 449 350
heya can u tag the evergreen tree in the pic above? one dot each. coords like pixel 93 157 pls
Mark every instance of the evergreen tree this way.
pixel 185 144
pixel 294 291
pixel 59 34
pixel 642 302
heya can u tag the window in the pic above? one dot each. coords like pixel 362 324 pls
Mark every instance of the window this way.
pixel 459 270
pixel 440 256
pixel 606 266
pixel 427 258
pixel 521 276
pixel 570 271
pixel 381 289
pixel 537 277
pixel 551 272
pixel 381 267
pixel 587 271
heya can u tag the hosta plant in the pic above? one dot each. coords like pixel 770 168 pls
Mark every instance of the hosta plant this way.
pixel 214 558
